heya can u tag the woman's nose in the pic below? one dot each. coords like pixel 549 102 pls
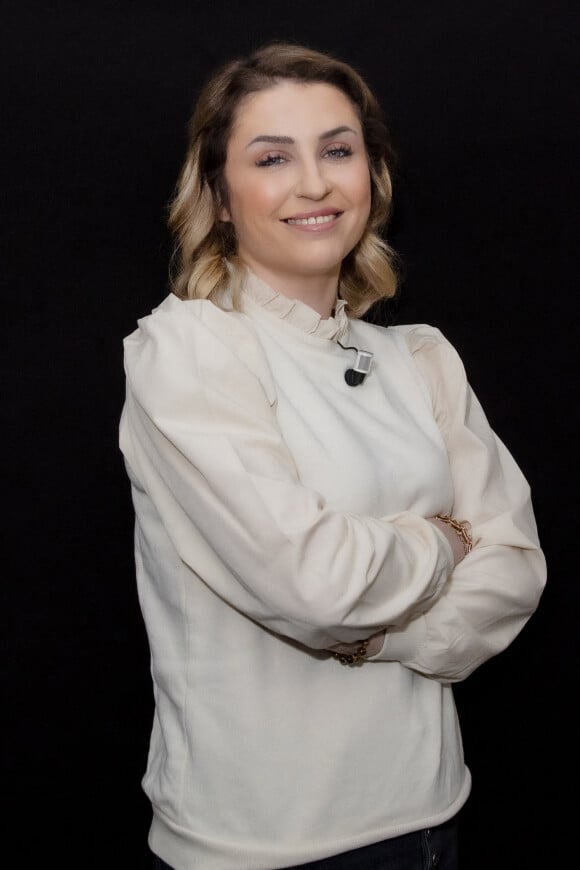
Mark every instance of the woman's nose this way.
pixel 313 182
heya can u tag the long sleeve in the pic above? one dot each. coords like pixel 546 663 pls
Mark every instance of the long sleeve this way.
pixel 201 441
pixel 492 593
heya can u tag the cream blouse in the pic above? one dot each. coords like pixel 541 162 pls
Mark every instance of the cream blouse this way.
pixel 280 511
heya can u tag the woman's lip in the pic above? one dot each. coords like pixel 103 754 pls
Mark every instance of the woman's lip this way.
pixel 322 212
pixel 314 227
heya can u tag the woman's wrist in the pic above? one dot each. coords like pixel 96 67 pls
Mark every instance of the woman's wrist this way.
pixel 457 532
pixel 357 654
pixel 352 653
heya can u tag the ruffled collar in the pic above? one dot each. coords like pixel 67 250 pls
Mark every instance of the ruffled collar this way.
pixel 296 313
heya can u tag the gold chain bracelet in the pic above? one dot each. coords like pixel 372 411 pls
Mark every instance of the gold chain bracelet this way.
pixel 461 528
pixel 353 658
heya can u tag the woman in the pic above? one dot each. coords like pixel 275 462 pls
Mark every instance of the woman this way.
pixel 299 502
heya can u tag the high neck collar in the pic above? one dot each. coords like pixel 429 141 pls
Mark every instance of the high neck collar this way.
pixel 294 312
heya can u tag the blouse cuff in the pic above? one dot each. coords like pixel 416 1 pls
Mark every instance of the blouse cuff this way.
pixel 402 645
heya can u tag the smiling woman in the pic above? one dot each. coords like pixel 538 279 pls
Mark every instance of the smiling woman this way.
pixel 285 520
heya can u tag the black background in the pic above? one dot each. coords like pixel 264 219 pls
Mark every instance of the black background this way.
pixel 482 100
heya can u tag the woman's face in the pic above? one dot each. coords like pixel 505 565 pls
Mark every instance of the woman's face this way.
pixel 298 181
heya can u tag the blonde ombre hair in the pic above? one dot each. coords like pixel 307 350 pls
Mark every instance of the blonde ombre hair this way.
pixel 204 261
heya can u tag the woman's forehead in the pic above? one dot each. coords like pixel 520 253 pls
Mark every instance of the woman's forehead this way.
pixel 289 107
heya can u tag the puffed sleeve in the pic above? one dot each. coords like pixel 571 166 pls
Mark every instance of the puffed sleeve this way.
pixel 491 593
pixel 200 437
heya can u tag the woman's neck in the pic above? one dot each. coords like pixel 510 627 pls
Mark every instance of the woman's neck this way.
pixel 317 291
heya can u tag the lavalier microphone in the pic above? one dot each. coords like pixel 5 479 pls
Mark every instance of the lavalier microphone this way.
pixel 360 369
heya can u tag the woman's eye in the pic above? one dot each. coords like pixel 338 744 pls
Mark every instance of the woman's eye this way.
pixel 337 152
pixel 270 160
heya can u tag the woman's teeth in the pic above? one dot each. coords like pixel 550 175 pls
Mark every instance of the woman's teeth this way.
pixel 323 219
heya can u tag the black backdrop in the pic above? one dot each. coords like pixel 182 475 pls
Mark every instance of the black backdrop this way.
pixel 482 102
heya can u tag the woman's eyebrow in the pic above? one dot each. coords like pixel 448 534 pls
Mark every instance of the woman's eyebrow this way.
pixel 330 134
pixel 288 140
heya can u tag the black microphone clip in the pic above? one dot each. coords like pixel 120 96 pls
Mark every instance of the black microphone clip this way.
pixel 361 368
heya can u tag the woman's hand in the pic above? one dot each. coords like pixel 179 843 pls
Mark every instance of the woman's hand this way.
pixel 374 646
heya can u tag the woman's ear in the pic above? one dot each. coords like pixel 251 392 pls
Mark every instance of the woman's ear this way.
pixel 222 199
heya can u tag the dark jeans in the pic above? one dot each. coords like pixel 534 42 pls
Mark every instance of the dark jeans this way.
pixel 430 849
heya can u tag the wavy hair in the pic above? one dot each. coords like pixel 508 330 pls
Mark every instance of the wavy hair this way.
pixel 204 260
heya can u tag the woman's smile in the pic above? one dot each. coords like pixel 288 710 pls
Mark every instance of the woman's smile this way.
pixel 315 221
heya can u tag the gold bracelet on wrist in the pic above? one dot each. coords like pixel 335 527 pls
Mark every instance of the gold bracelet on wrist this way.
pixel 461 528
pixel 353 658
